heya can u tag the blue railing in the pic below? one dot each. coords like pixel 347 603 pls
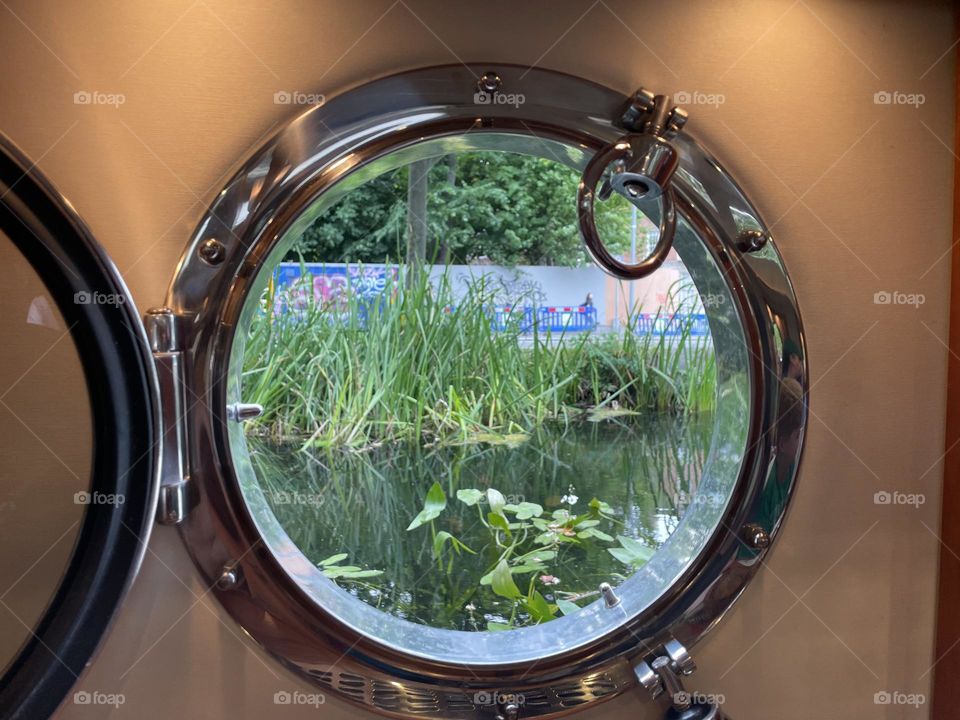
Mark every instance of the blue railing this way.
pixel 508 317
pixel 672 325
pixel 568 318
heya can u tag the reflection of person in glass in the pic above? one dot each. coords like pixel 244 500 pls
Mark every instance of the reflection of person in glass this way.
pixel 792 361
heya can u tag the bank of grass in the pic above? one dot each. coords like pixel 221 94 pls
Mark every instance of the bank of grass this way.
pixel 414 365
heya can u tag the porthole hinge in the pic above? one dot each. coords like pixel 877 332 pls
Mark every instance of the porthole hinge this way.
pixel 163 333
pixel 664 674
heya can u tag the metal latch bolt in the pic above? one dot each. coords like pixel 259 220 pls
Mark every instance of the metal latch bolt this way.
pixel 664 675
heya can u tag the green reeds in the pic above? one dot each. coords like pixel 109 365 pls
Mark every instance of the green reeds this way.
pixel 414 364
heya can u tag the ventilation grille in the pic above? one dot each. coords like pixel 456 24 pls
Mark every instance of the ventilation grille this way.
pixel 403 698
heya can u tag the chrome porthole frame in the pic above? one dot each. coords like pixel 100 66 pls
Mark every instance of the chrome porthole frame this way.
pixel 265 583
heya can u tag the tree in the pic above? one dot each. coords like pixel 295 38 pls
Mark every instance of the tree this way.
pixel 418 188
pixel 508 208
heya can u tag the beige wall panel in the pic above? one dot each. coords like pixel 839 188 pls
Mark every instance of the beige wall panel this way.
pixel 858 196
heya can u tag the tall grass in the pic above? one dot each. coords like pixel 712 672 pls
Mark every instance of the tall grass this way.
pixel 417 365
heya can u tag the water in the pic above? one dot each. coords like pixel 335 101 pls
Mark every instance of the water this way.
pixel 360 504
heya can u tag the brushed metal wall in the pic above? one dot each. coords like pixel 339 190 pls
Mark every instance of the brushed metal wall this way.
pixel 857 191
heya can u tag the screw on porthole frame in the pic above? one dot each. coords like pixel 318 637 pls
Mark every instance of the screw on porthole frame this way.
pixel 212 251
pixel 489 82
pixel 752 240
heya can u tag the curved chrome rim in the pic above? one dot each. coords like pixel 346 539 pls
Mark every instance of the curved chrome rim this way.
pixel 264 202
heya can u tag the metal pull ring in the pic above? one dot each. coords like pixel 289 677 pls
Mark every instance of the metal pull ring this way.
pixel 588 228
pixel 644 163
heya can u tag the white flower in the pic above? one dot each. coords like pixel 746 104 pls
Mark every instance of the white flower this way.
pixel 570 499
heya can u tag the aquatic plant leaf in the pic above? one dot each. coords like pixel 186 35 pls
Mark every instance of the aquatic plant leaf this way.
pixel 333 559
pixel 469 496
pixel 632 552
pixel 537 556
pixel 432 507
pixel 593 532
pixel 501 580
pixel 567 607
pixel 357 574
pixel 525 510
pixel 599 414
pixel 538 607
pixel 442 538
pixel 601 507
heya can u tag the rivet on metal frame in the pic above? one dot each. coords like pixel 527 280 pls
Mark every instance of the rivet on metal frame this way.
pixel 755 536
pixel 230 577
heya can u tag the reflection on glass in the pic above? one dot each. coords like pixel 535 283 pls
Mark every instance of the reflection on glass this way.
pixel 467 424
pixel 45 443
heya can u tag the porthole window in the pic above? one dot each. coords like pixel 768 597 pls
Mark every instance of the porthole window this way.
pixel 476 433
pixel 484 387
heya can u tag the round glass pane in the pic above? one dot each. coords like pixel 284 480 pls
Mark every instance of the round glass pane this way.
pixel 467 426
pixel 46 446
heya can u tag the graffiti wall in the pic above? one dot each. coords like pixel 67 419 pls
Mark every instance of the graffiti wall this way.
pixel 533 286
pixel 330 285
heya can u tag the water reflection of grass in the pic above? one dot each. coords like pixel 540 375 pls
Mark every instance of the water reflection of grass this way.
pixel 332 501
pixel 415 365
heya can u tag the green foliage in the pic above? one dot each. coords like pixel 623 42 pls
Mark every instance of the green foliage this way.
pixel 513 209
pixel 332 568
pixel 417 368
pixel 525 544
pixel 432 507
pixel 631 552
